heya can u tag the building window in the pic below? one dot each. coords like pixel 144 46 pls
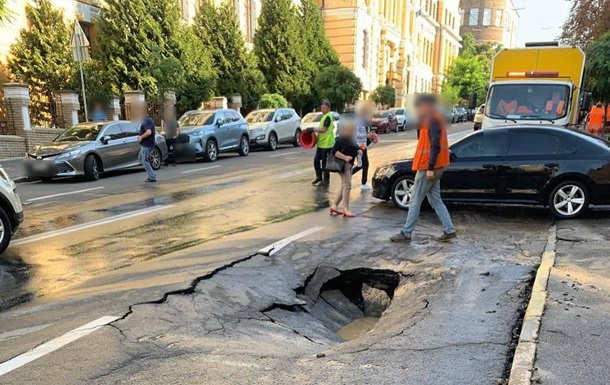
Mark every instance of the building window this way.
pixel 499 14
pixel 474 17
pixel 365 50
pixel 462 19
pixel 487 16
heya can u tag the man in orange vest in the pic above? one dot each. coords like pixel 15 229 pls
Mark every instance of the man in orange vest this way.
pixel 596 119
pixel 431 158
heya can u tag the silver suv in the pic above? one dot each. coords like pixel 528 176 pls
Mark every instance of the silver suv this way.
pixel 271 127
pixel 11 211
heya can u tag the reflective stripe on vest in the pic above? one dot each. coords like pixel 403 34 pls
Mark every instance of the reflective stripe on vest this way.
pixel 422 153
pixel 327 139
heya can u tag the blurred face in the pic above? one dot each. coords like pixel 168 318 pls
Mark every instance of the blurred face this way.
pixel 139 112
pixel 325 109
pixel 556 95
pixel 349 130
pixel 424 110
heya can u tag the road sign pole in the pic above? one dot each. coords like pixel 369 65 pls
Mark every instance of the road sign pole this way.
pixel 82 81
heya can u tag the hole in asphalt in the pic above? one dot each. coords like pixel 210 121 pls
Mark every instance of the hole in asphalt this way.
pixel 347 303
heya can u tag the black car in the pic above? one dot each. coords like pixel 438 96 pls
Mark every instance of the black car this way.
pixel 561 168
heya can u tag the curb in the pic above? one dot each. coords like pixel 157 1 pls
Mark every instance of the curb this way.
pixel 525 353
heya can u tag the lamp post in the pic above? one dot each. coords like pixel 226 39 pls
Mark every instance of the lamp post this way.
pixel 80 53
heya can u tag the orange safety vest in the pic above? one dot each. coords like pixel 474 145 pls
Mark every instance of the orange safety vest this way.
pixel 422 153
pixel 596 120
pixel 506 108
pixel 560 105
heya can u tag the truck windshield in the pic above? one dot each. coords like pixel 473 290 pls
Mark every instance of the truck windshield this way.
pixel 528 101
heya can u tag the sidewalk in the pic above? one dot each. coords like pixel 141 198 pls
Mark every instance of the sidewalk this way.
pixel 574 340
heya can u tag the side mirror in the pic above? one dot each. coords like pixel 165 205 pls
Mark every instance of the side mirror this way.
pixel 277 119
pixel 472 100
pixel 105 139
pixel 586 102
pixel 219 122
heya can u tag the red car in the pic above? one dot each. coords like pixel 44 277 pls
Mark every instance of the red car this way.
pixel 384 122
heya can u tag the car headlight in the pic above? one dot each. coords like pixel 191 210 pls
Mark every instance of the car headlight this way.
pixel 197 133
pixel 70 153
pixel 381 170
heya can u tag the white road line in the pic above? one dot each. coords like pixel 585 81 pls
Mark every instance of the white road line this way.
pixel 65 193
pixel 88 225
pixel 200 169
pixel 294 173
pixel 279 245
pixel 282 154
pixel 54 344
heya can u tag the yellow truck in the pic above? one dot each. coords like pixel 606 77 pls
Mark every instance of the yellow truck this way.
pixel 538 84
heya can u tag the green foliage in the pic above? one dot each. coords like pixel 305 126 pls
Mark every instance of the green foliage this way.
pixel 339 85
pixel 598 68
pixel 219 31
pixel 384 95
pixel 588 21
pixel 272 101
pixel 42 57
pixel 279 46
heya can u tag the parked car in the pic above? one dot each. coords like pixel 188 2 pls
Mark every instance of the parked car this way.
pixel 89 149
pixel 313 120
pixel 11 211
pixel 406 120
pixel 384 122
pixel 478 117
pixel 455 115
pixel 470 112
pixel 462 114
pixel 564 169
pixel 448 113
pixel 272 127
pixel 212 132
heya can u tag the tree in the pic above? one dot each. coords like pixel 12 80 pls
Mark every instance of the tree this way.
pixel 598 68
pixel 42 57
pixel 384 95
pixel 588 21
pixel 219 31
pixel 272 101
pixel 339 85
pixel 279 49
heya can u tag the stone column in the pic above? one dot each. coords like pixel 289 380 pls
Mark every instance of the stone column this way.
pixel 132 100
pixel 114 108
pixel 17 103
pixel 169 98
pixel 67 106
pixel 236 103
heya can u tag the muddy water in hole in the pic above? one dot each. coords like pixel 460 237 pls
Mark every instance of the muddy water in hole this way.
pixel 357 328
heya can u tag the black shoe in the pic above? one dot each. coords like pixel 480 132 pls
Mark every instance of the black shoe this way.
pixel 446 237
pixel 151 180
pixel 400 238
pixel 316 181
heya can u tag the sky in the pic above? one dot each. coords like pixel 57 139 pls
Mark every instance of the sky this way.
pixel 541 20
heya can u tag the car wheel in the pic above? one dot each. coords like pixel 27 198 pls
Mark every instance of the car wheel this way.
pixel 211 151
pixel 272 145
pixel 244 146
pixel 6 231
pixel 92 168
pixel 155 158
pixel 569 200
pixel 297 139
pixel 402 191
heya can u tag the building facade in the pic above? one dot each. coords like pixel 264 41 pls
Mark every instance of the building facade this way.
pixel 490 21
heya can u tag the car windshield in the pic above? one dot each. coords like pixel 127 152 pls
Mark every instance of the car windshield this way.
pixel 196 119
pixel 384 114
pixel 528 101
pixel 80 133
pixel 259 116
pixel 398 112
pixel 312 118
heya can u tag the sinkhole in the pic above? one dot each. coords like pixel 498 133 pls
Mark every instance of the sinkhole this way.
pixel 346 303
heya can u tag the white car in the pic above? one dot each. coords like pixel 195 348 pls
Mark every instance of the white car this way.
pixel 312 120
pixel 271 127
pixel 478 117
pixel 11 211
pixel 406 120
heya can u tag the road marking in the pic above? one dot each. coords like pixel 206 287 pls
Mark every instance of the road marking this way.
pixel 283 154
pixel 54 344
pixel 200 169
pixel 279 245
pixel 66 193
pixel 87 225
pixel 294 173
pixel 23 331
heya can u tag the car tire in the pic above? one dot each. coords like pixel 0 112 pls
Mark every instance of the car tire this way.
pixel 569 199
pixel 244 146
pixel 6 232
pixel 92 168
pixel 155 158
pixel 401 191
pixel 210 154
pixel 297 139
pixel 272 143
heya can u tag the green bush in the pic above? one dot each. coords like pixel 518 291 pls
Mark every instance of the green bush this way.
pixel 272 101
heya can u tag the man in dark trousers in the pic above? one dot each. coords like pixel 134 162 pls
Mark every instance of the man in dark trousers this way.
pixel 146 139
pixel 325 142
pixel 431 158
